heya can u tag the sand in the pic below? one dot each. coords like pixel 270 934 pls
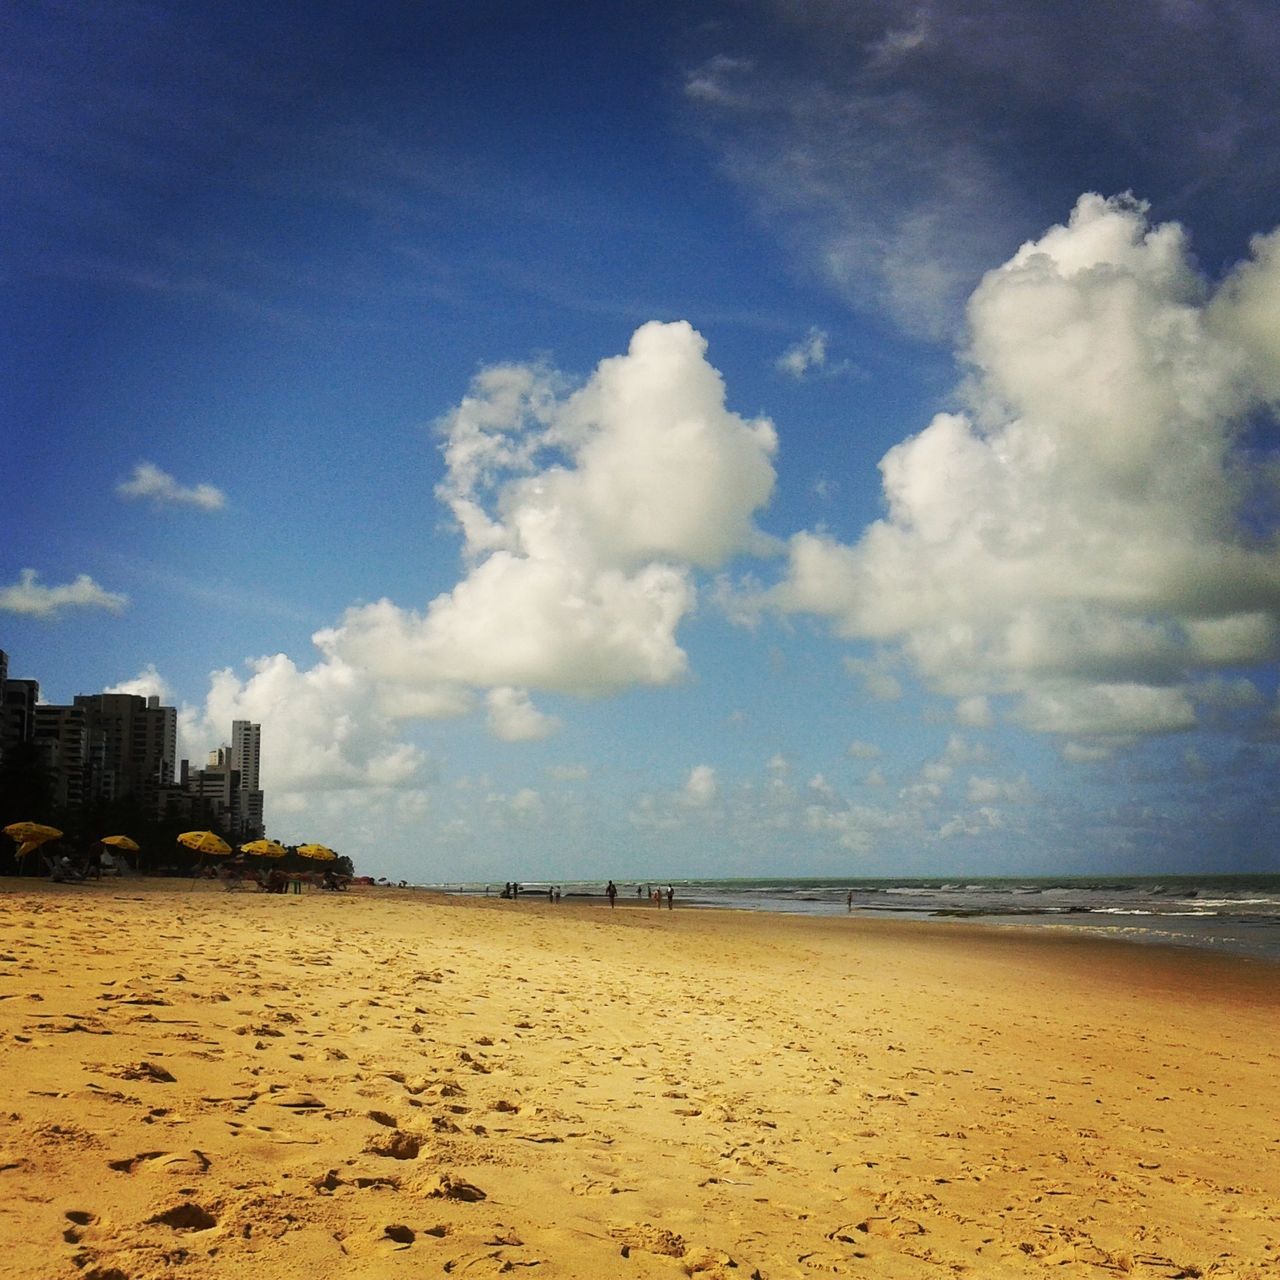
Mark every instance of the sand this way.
pixel 385 1083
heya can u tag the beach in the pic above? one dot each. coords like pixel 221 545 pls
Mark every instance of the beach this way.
pixel 395 1083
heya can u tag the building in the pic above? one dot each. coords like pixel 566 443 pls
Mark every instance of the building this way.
pixel 62 736
pixel 246 752
pixel 18 699
pixel 246 757
pixel 108 747
pixel 132 748
pixel 217 796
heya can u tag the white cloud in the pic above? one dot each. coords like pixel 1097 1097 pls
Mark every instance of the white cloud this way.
pixel 321 729
pixel 975 823
pixel 960 750
pixel 975 712
pixel 920 794
pixel 711 83
pixel 809 353
pixel 1088 752
pixel 513 718
pixel 1076 537
pixel 891 199
pixel 526 804
pixel 29 596
pixel 148 683
pixel 822 792
pixel 854 830
pixel 1247 310
pixel 883 140
pixel 1120 710
pixel 701 787
pixel 858 750
pixel 584 518
pixel 878 681
pixel 990 791
pixel 148 482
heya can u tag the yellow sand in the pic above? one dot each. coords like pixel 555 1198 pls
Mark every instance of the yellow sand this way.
pixel 199 1083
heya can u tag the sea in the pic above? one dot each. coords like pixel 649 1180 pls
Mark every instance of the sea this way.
pixel 1236 913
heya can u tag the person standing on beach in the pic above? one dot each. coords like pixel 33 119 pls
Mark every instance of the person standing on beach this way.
pixel 671 898
pixel 611 890
pixel 848 902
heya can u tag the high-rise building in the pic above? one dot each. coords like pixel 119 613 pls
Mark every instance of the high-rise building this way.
pixel 246 756
pixel 133 747
pixel 62 736
pixel 217 795
pixel 18 699
pixel 118 746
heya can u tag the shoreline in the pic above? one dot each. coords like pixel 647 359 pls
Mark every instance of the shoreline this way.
pixel 907 926
pixel 201 1086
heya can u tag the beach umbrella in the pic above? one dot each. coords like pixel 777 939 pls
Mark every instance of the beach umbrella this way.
pixel 264 848
pixel 120 842
pixel 317 852
pixel 204 842
pixel 30 835
pixel 35 833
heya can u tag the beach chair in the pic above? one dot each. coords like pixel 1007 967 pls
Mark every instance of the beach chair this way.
pixel 230 878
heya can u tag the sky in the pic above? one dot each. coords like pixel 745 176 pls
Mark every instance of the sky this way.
pixel 662 440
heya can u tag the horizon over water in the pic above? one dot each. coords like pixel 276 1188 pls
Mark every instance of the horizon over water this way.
pixel 1239 913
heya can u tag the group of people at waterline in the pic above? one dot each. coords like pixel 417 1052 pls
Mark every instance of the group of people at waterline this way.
pixel 654 893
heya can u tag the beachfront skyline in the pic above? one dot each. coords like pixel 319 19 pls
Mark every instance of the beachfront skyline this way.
pixel 823 440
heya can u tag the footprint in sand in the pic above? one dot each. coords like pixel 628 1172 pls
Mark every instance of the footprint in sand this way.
pixel 184 1162
pixel 79 1219
pixel 185 1216
pixel 443 1186
pixel 396 1145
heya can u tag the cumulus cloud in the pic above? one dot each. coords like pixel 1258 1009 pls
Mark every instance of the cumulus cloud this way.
pixel 149 483
pixel 1078 535
pixel 701 787
pixel 148 683
pixel 31 597
pixel 975 823
pixel 584 517
pixel 513 718
pixel 322 728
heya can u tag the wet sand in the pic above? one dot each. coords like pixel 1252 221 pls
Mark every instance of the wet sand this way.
pixel 196 1083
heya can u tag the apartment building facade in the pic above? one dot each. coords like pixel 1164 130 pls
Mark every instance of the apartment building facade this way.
pixel 108 747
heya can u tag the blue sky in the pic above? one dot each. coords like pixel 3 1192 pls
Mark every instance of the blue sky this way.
pixel 662 440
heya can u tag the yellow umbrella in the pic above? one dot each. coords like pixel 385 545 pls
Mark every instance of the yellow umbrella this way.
pixel 264 848
pixel 204 842
pixel 31 835
pixel 317 852
pixel 120 842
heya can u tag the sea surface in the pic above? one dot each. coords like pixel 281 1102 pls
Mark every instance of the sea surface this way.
pixel 1238 913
